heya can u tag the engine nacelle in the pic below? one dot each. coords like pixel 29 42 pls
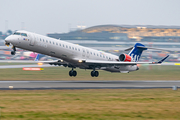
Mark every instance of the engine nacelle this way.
pixel 125 58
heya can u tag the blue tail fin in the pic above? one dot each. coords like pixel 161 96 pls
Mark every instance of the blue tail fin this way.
pixel 136 52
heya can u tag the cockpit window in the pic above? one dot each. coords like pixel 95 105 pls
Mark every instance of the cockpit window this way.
pixel 17 33
pixel 24 34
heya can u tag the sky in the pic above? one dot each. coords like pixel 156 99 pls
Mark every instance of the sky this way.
pixel 58 16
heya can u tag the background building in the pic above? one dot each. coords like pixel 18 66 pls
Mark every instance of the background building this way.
pixel 131 33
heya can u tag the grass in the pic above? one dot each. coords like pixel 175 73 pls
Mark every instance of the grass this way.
pixel 61 73
pixel 125 104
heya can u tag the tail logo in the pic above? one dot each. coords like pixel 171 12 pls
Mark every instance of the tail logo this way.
pixel 135 58
pixel 136 52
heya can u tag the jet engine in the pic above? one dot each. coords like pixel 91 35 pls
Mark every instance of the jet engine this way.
pixel 125 58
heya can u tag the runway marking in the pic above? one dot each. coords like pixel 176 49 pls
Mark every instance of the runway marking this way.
pixel 127 81
pixel 85 88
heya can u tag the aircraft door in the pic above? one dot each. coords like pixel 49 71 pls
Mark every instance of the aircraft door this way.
pixel 83 53
pixel 32 40
pixel 20 39
pixel 87 51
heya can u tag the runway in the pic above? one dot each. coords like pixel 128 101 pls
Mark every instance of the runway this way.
pixel 38 85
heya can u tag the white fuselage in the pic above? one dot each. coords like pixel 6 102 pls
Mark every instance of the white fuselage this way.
pixel 66 51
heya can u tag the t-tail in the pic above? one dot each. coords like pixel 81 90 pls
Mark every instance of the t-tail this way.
pixel 136 51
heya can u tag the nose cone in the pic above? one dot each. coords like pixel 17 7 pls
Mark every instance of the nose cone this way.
pixel 8 39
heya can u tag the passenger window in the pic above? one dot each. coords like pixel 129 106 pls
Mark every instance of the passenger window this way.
pixel 40 39
pixel 46 41
pixel 75 48
pixel 91 53
pixel 103 56
pixel 83 51
pixel 94 54
pixel 56 43
pixel 66 46
pixel 100 56
pixel 50 42
pixel 78 49
pixel 59 44
pixel 97 55
pixel 43 40
pixel 69 47
pixel 106 57
pixel 63 45
pixel 53 42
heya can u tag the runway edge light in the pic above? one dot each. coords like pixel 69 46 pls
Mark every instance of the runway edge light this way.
pixel 175 87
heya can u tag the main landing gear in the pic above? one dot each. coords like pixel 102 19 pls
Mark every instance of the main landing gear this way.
pixel 94 73
pixel 14 51
pixel 72 73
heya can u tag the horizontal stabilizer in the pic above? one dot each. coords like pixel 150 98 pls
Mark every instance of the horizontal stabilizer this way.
pixel 128 49
pixel 150 48
pixel 144 48
pixel 163 59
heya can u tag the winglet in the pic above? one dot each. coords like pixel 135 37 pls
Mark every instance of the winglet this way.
pixel 163 59
pixel 37 58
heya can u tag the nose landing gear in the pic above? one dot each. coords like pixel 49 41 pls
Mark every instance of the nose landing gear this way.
pixel 7 44
pixel 14 50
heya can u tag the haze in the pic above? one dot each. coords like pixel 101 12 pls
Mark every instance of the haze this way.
pixel 58 16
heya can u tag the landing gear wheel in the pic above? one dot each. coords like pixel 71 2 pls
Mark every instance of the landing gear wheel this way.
pixel 13 52
pixel 94 73
pixel 72 73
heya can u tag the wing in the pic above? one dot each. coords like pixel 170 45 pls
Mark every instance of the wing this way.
pixel 22 66
pixel 36 60
pixel 54 62
pixel 24 61
pixel 116 63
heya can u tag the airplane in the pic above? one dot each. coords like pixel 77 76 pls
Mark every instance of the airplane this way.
pixel 74 56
